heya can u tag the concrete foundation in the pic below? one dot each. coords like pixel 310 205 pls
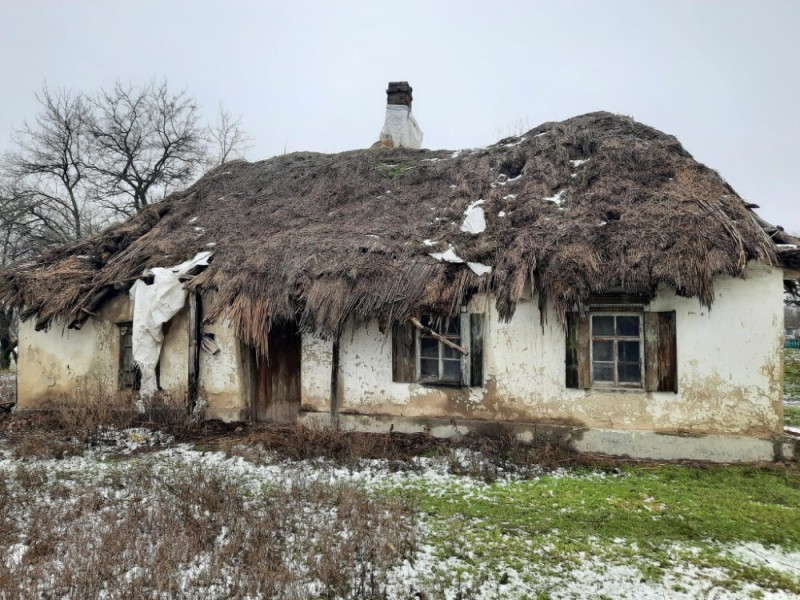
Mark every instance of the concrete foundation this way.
pixel 633 444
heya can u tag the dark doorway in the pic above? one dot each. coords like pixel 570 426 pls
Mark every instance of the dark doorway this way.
pixel 277 393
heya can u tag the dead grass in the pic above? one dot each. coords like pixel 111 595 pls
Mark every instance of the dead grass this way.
pixel 144 533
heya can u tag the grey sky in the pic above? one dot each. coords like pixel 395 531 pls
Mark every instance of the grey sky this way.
pixel 722 76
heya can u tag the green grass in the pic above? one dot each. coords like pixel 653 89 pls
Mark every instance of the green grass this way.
pixel 651 518
pixel 791 372
pixel 791 415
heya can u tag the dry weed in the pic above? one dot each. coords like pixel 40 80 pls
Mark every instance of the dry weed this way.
pixel 144 532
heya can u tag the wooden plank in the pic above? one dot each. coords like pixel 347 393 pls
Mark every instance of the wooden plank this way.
pixel 571 352
pixel 667 352
pixel 651 372
pixel 279 383
pixel 335 378
pixel 660 352
pixel 583 355
pixel 476 326
pixel 404 348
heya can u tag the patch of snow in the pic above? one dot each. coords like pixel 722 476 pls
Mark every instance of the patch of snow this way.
pixel 503 180
pixel 474 218
pixel 510 197
pixel 601 223
pixel 541 134
pixel 211 244
pixel 193 220
pixel 786 246
pixel 578 162
pixel 758 555
pixel 556 199
pixel 479 268
pixel 501 214
pixel 429 242
pixel 455 154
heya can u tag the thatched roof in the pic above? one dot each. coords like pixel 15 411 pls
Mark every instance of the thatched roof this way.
pixel 593 204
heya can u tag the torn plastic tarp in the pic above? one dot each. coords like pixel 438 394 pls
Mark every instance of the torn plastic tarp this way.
pixel 450 256
pixel 474 218
pixel 154 305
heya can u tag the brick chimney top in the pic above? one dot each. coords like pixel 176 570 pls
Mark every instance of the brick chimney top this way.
pixel 400 128
pixel 399 92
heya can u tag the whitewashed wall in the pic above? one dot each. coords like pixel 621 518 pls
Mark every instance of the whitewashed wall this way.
pixel 729 370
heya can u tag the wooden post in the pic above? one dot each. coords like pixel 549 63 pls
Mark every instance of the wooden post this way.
pixel 194 348
pixel 335 380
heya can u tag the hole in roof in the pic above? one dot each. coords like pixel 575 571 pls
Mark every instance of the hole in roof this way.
pixel 613 215
pixel 512 166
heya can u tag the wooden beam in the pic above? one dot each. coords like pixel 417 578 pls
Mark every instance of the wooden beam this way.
pixel 428 331
pixel 194 349
pixel 335 379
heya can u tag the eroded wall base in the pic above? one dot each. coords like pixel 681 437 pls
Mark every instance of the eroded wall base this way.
pixel 633 444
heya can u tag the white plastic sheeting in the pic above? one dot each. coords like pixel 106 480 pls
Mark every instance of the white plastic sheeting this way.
pixel 450 256
pixel 474 218
pixel 154 305
pixel 401 127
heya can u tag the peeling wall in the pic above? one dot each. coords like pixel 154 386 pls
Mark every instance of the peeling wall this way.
pixel 222 377
pixel 64 363
pixel 729 369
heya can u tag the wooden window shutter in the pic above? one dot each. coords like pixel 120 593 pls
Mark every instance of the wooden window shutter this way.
pixel 660 352
pixel 476 321
pixel 404 349
pixel 578 373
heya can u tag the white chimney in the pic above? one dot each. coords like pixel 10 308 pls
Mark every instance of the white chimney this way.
pixel 400 129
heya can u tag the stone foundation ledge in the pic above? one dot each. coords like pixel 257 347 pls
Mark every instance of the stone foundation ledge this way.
pixel 633 444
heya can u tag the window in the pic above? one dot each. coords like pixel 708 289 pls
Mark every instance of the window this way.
pixel 418 356
pixel 439 362
pixel 617 350
pixel 622 347
pixel 130 377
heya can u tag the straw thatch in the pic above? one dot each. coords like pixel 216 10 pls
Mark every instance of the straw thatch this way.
pixel 318 238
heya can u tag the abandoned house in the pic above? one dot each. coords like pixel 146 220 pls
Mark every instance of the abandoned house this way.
pixel 588 277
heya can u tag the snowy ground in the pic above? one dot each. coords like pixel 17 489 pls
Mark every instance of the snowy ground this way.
pixel 422 560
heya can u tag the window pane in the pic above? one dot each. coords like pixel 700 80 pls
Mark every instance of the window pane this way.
pixel 448 352
pixel 451 326
pixel 628 351
pixel 429 368
pixel 603 371
pixel 452 370
pixel 602 325
pixel 602 350
pixel 428 347
pixel 629 373
pixel 628 325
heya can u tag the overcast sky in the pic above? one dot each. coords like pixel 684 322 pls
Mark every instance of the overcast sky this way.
pixel 723 76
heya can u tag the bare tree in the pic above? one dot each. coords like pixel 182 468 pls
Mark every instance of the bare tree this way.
pixel 47 171
pixel 227 138
pixel 146 142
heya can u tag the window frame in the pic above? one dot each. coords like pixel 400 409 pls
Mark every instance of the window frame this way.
pixel 462 339
pixel 616 384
